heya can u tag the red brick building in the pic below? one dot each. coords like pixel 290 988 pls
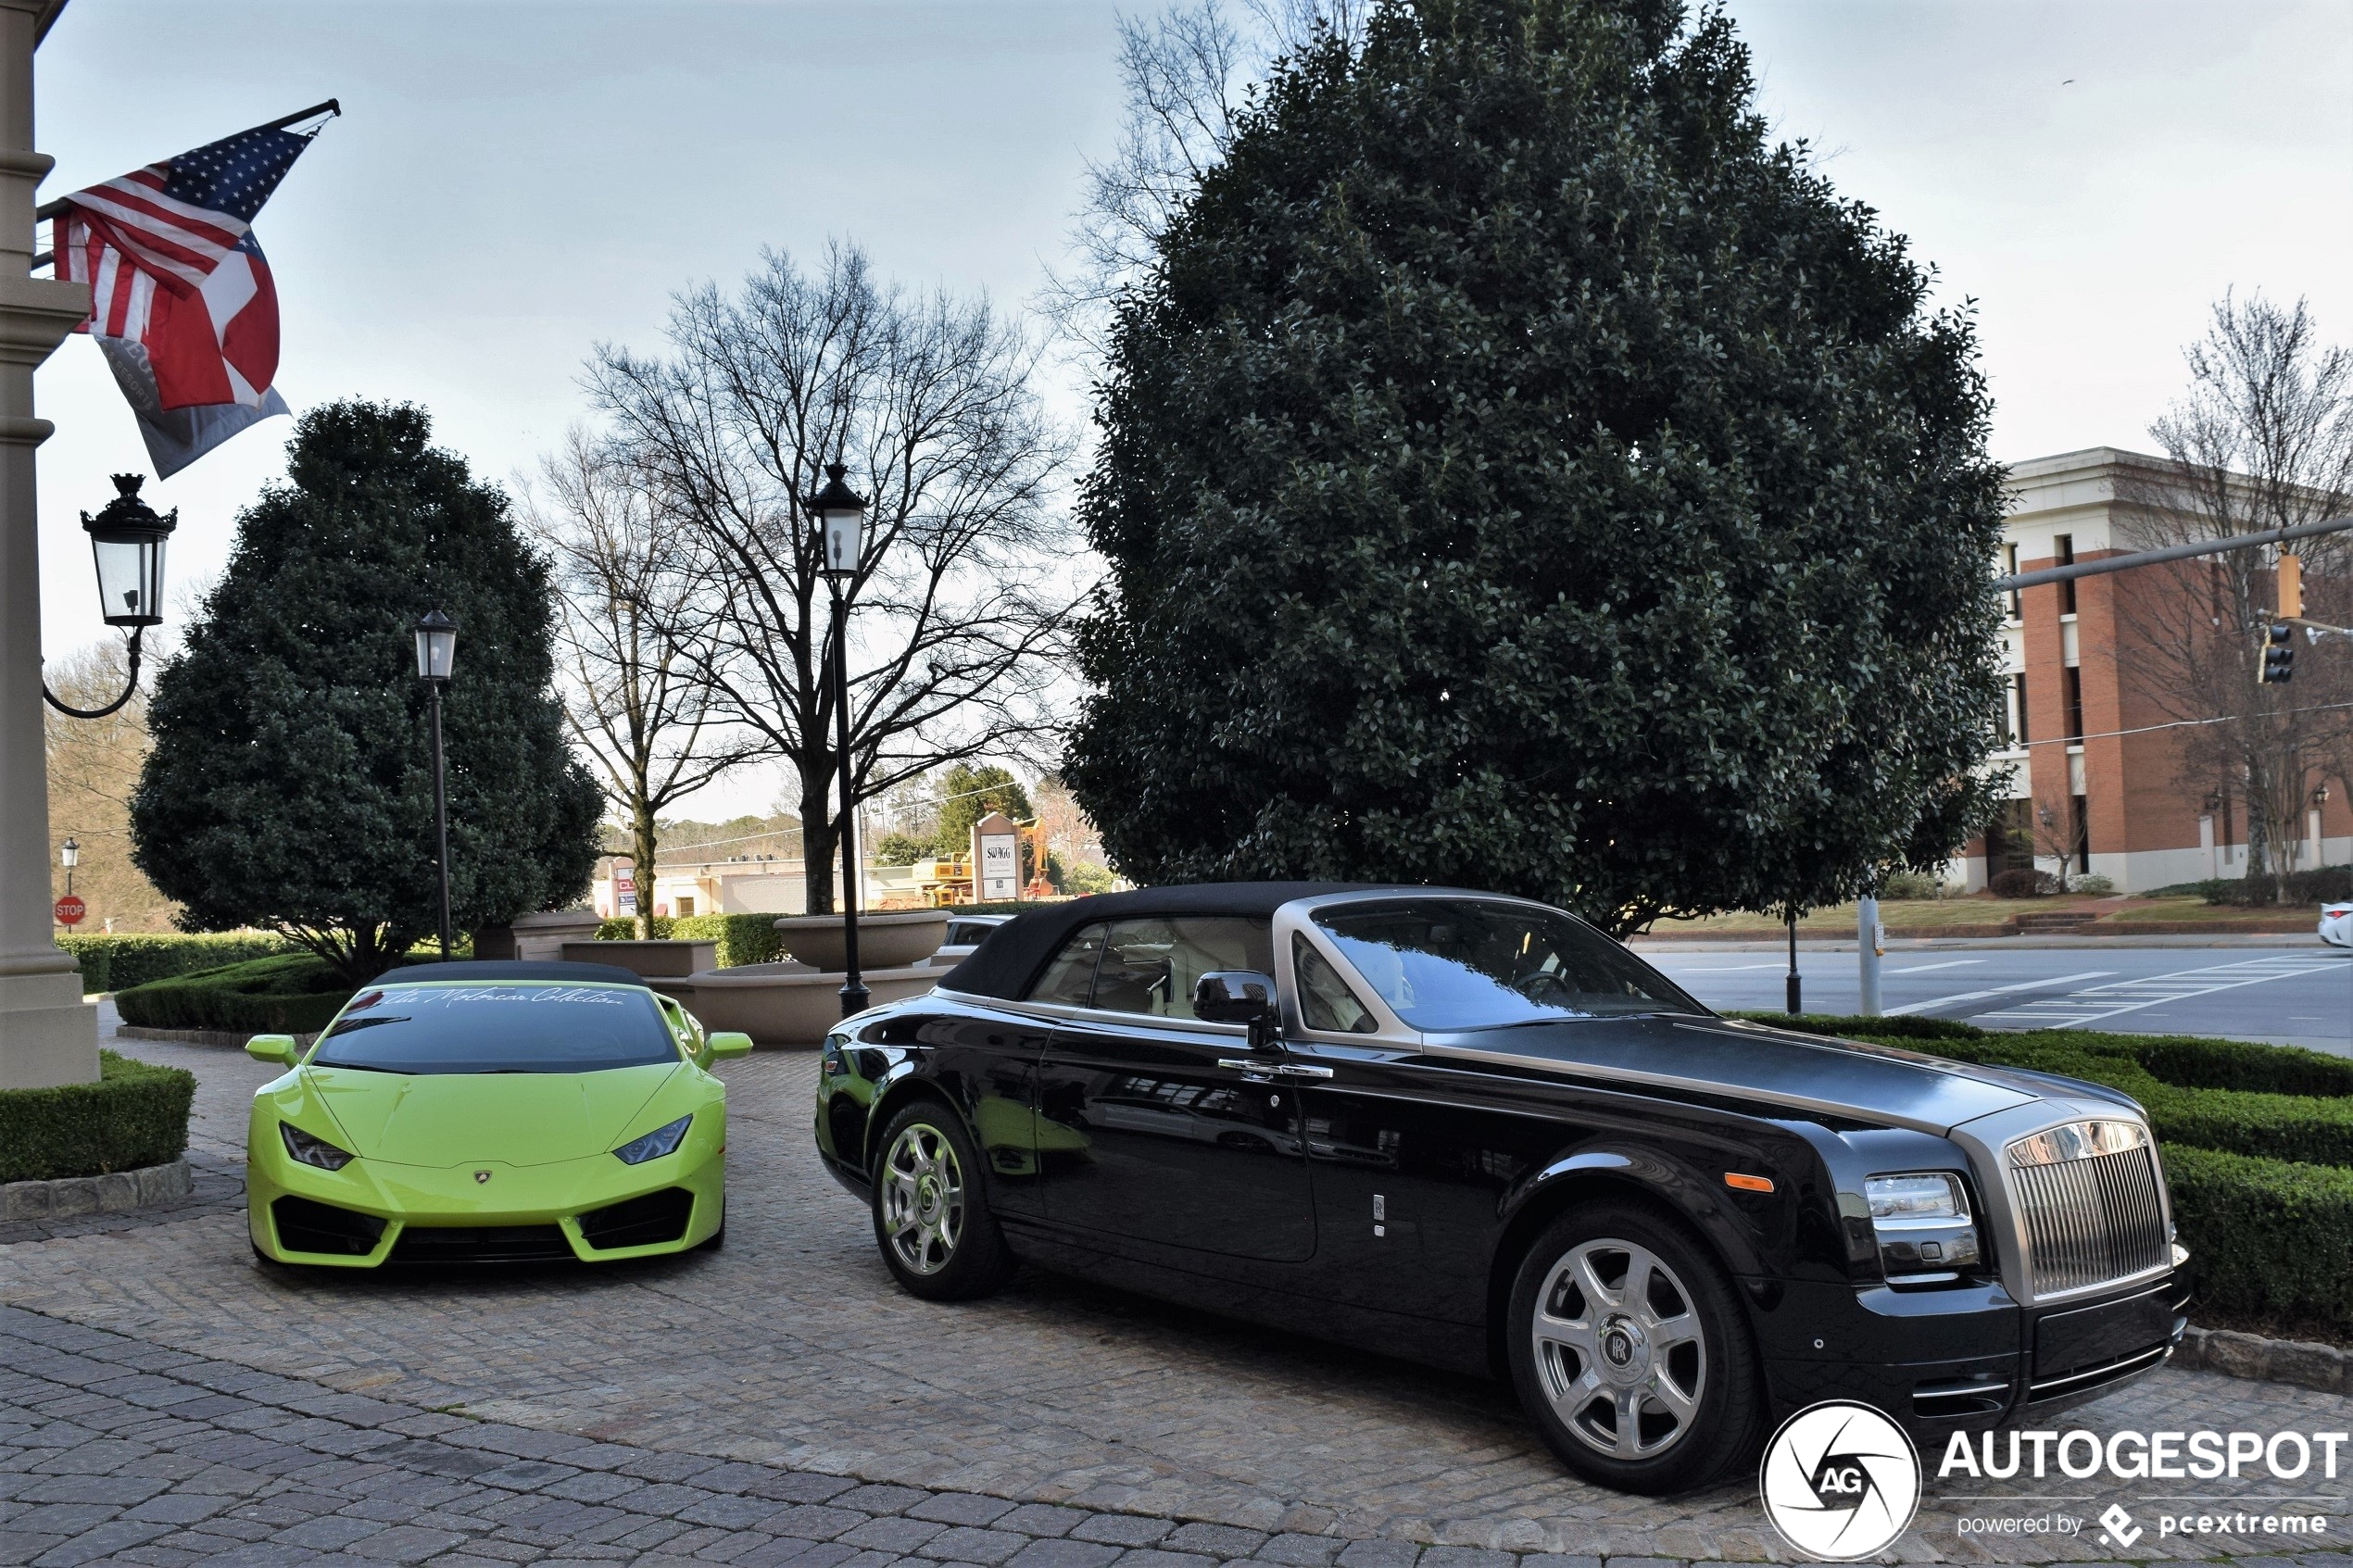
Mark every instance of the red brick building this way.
pixel 2099 783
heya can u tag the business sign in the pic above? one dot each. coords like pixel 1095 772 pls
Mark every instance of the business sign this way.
pixel 624 889
pixel 996 859
pixel 70 908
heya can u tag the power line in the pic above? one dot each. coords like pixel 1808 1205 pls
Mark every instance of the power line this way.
pixel 2178 724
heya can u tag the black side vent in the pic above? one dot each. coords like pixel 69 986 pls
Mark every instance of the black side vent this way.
pixel 305 1226
pixel 641 1222
pixel 482 1244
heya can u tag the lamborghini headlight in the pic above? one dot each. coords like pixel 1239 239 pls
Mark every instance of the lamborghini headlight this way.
pixel 654 1145
pixel 1922 1220
pixel 309 1150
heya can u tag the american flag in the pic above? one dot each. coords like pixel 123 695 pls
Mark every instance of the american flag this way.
pixel 168 225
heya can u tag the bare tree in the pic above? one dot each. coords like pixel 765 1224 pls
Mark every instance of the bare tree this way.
pixel 2262 439
pixel 632 642
pixel 1186 74
pixel 962 593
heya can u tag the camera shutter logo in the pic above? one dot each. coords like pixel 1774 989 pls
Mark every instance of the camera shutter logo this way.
pixel 1840 1481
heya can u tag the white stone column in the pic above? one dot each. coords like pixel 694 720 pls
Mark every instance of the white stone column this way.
pixel 46 1034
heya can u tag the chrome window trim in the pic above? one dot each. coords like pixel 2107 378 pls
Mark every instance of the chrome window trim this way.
pixel 1061 1012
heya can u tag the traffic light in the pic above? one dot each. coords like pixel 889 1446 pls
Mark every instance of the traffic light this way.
pixel 2291 577
pixel 2279 655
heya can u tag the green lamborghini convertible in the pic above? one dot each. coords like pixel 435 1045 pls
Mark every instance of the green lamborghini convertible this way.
pixel 492 1113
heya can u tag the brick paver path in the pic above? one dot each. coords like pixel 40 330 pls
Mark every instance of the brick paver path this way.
pixel 783 1400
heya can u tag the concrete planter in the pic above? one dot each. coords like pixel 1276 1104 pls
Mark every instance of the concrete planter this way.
pixel 889 941
pixel 117 1192
pixel 537 936
pixel 652 959
pixel 787 1005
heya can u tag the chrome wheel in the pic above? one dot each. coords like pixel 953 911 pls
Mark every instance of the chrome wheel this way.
pixel 922 1193
pixel 1619 1350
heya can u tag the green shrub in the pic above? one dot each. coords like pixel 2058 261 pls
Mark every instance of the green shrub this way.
pixel 741 938
pixel 2268 1237
pixel 1900 1030
pixel 2322 885
pixel 95 966
pixel 133 960
pixel 1911 885
pixel 287 994
pixel 135 1114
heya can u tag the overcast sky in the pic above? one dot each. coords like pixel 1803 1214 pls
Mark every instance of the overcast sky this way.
pixel 514 182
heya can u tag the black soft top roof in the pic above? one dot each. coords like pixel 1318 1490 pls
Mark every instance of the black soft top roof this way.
pixel 1010 957
pixel 516 968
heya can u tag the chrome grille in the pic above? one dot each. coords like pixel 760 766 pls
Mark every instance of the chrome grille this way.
pixel 2088 1193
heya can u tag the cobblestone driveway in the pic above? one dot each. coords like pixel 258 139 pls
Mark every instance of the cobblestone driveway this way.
pixel 791 1354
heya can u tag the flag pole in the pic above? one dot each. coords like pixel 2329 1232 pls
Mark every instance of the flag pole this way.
pixel 56 208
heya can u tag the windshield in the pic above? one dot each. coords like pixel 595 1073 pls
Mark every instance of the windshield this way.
pixel 432 1028
pixel 1462 963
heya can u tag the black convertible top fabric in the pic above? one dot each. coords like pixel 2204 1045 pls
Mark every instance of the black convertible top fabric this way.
pixel 517 969
pixel 1010 957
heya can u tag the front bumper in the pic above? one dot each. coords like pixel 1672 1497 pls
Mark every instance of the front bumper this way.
pixel 595 1209
pixel 1996 1362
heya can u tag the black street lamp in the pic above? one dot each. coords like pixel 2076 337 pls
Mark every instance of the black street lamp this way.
pixel 126 543
pixel 840 511
pixel 436 652
pixel 69 856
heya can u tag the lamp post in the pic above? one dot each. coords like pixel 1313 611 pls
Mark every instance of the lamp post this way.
pixel 69 856
pixel 127 539
pixel 841 511
pixel 436 652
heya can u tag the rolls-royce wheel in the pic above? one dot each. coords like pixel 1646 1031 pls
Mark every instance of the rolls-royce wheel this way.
pixel 931 1212
pixel 1629 1352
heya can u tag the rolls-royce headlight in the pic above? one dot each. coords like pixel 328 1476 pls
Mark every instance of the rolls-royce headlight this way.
pixel 1926 1234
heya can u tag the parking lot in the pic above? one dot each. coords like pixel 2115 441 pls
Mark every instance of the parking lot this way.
pixel 791 1350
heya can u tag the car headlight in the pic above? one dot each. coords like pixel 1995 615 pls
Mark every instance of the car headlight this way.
pixel 1926 1234
pixel 654 1145
pixel 309 1150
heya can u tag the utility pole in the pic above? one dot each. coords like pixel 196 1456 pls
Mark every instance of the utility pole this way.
pixel 1869 940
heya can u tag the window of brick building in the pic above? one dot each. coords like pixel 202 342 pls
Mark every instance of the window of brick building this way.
pixel 2063 554
pixel 2073 686
pixel 2019 735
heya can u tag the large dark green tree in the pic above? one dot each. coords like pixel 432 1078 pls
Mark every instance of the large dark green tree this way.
pixel 291 782
pixel 1516 471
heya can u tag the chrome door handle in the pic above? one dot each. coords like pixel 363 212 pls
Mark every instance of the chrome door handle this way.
pixel 1255 1069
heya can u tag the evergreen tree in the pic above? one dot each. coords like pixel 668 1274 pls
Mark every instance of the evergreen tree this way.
pixel 291 782
pixel 968 794
pixel 1518 472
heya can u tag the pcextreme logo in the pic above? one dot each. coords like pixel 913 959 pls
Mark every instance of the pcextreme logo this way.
pixel 1840 1481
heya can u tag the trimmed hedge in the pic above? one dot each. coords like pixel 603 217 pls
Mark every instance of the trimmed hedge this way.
pixel 286 994
pixel 119 962
pixel 2268 1237
pixel 2257 1143
pixel 135 1115
pixel 742 938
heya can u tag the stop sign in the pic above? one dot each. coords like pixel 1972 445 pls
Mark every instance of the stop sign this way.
pixel 70 908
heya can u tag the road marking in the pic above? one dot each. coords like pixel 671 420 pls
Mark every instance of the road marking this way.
pixel 1924 968
pixel 1997 991
pixel 2089 1005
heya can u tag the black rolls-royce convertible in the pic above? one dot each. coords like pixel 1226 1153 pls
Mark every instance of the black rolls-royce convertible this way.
pixel 1473 1131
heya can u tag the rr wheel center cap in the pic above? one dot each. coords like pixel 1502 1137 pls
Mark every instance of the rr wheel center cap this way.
pixel 1626 1350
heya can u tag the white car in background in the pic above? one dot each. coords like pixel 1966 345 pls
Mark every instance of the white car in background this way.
pixel 2336 925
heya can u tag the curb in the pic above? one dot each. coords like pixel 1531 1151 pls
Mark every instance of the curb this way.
pixel 2258 1360
pixel 228 1040
pixel 117 1192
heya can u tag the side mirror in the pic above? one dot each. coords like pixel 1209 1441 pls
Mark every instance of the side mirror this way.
pixel 726 1043
pixel 278 1050
pixel 1238 995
